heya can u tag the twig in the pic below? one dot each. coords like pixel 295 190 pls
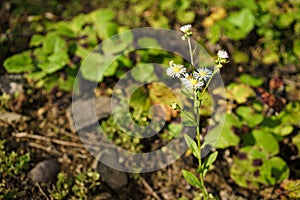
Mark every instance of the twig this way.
pixel 47 149
pixel 63 131
pixel 42 191
pixel 148 187
pixel 43 138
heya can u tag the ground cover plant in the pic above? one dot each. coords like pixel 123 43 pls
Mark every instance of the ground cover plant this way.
pixel 44 44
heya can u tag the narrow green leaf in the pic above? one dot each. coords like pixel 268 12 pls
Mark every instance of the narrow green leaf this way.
pixel 192 146
pixel 191 178
pixel 208 162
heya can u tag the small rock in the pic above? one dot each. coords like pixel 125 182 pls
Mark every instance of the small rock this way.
pixel 11 84
pixel 45 171
pixel 102 196
pixel 113 178
pixel 84 111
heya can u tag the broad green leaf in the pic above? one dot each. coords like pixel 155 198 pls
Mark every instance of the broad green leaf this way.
pixel 174 129
pixel 106 29
pixel 36 40
pixel 290 114
pixel 214 33
pixel 242 19
pixel 102 15
pixel 239 24
pixel 82 52
pixel 53 43
pixel 185 16
pixel 143 73
pixel 296 142
pixel 285 20
pixel 283 129
pixel 19 63
pixel 36 75
pixel 280 169
pixel 250 4
pixel 148 42
pixel 296 47
pixel 227 137
pixel 251 80
pixel 191 178
pixel 192 146
pixel 58 61
pixel 239 92
pixel 270 58
pixel 93 67
pixel 240 57
pixel 266 141
pixel 66 85
pixel 249 116
pixel 118 44
pixel 111 69
pixel 159 21
pixel 63 29
pixel 77 23
pixel 139 101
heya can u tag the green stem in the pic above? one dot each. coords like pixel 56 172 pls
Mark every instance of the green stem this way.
pixel 190 50
pixel 206 86
pixel 197 106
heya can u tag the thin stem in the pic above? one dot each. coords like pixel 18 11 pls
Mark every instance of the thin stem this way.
pixel 206 86
pixel 190 50
pixel 197 106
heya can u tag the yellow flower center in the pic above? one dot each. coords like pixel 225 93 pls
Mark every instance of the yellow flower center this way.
pixel 176 69
pixel 194 82
pixel 202 73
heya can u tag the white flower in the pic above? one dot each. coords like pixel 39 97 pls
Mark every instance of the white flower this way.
pixel 223 54
pixel 202 73
pixel 175 70
pixel 186 28
pixel 191 83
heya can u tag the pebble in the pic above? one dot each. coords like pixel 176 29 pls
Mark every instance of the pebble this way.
pixel 45 171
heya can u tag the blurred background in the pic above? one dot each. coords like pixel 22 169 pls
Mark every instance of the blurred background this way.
pixel 42 45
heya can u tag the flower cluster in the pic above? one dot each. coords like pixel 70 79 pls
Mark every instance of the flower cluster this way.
pixel 222 58
pixel 186 30
pixel 197 77
pixel 194 80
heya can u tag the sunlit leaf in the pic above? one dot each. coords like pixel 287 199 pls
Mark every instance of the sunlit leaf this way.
pixel 192 146
pixel 249 116
pixel 19 63
pixel 191 178
pixel 251 80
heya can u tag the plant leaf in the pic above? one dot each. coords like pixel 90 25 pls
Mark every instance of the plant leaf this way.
pixel 19 63
pixel 191 178
pixel 192 146
pixel 208 162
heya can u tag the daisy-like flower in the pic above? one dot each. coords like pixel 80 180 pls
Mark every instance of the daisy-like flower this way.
pixel 191 83
pixel 223 54
pixel 202 74
pixel 175 70
pixel 186 28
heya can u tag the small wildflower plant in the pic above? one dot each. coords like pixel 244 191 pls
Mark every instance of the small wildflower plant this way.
pixel 195 81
